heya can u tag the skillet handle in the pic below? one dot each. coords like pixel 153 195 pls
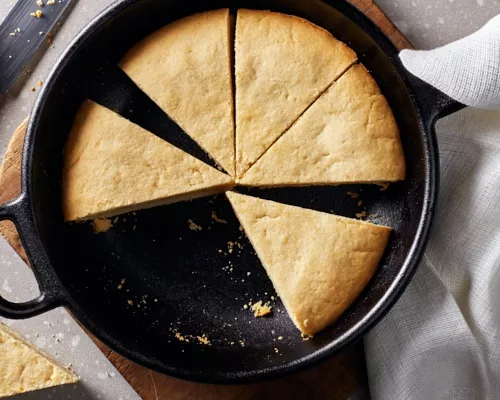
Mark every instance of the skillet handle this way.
pixel 433 102
pixel 50 293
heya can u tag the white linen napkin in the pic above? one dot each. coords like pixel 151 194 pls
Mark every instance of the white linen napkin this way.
pixel 442 338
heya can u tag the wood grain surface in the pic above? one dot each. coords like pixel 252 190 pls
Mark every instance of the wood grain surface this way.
pixel 336 379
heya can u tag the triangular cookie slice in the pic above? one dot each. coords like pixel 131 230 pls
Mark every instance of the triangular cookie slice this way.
pixel 185 67
pixel 348 135
pixel 318 262
pixel 112 166
pixel 283 63
pixel 23 368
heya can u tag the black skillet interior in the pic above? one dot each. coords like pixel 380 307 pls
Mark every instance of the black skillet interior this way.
pixel 152 276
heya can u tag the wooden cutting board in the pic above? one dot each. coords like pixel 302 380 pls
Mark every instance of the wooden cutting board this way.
pixel 336 379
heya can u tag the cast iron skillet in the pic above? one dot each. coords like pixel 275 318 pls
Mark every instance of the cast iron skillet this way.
pixel 150 276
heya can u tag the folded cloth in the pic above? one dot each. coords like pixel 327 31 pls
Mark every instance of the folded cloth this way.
pixel 442 338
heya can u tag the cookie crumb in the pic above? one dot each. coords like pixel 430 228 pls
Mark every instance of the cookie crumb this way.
pixel 383 186
pixel 193 226
pixel 181 338
pixel 353 195
pixel 217 219
pixel 32 89
pixel 203 339
pixel 101 225
pixel 51 2
pixel 360 203
pixel 361 214
pixel 39 3
pixel 37 14
pixel 260 310
pixel 40 83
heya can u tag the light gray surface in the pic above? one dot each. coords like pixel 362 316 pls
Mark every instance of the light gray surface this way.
pixel 431 23
pixel 427 24
pixel 56 333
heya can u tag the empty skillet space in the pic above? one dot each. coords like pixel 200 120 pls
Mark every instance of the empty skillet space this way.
pixel 196 294
pixel 179 269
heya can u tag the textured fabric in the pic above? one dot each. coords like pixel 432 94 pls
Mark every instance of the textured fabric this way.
pixel 442 339
pixel 467 70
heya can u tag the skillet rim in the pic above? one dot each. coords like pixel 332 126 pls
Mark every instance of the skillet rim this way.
pixel 426 118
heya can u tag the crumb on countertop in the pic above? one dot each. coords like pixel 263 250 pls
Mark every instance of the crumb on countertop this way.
pixel 353 195
pixel 40 83
pixel 32 89
pixel 101 225
pixel 39 3
pixel 51 2
pixel 260 310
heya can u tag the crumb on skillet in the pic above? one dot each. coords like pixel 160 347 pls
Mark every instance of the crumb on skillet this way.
pixel 260 310
pixel 361 214
pixel 101 225
pixel 193 226
pixel 217 219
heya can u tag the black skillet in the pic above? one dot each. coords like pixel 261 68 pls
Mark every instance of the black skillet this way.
pixel 151 276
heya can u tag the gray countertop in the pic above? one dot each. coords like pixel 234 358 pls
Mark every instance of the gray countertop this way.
pixel 426 23
pixel 432 23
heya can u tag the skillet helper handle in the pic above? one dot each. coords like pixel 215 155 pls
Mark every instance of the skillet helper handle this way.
pixel 50 296
pixel 435 103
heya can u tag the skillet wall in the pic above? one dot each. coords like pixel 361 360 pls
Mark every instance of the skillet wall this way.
pixel 91 273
